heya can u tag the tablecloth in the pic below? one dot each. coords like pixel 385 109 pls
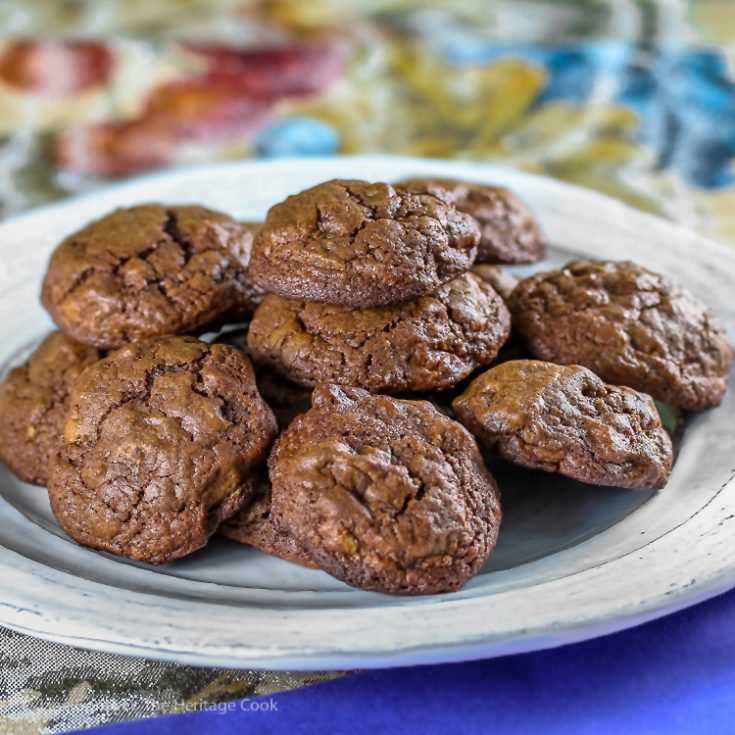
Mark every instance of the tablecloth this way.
pixel 633 98
pixel 675 676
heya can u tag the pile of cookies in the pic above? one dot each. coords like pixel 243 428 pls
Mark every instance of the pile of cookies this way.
pixel 337 425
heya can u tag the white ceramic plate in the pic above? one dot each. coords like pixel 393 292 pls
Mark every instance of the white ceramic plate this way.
pixel 573 561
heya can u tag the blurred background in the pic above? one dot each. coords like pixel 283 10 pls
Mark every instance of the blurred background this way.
pixel 632 98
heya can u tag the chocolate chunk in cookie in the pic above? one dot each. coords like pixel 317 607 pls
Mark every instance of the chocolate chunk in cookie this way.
pixel 502 281
pixel 163 441
pixel 384 494
pixel 630 326
pixel 253 525
pixel 361 245
pixel 509 232
pixel 32 404
pixel 149 270
pixel 428 344
pixel 563 418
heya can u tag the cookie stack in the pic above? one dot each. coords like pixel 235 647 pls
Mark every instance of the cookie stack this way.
pixel 370 286
pixel 334 448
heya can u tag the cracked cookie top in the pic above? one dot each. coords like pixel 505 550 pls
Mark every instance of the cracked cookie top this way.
pixel 629 325
pixel 509 232
pixel 162 442
pixel 147 271
pixel 32 404
pixel 385 494
pixel 357 244
pixel 565 419
pixel 428 344
pixel 253 524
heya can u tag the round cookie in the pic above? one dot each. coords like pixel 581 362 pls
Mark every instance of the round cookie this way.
pixel 628 325
pixel 502 281
pixel 32 404
pixel 362 245
pixel 147 271
pixel 253 525
pixel 509 232
pixel 428 344
pixel 163 441
pixel 384 494
pixel 563 418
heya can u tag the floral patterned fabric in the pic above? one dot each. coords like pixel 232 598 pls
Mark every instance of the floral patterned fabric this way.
pixel 48 688
pixel 634 98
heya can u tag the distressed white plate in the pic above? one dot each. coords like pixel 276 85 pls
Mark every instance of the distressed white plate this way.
pixel 573 561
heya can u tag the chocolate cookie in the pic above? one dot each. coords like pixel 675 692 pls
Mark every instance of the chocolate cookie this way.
pixel 32 404
pixel 509 232
pixel 428 344
pixel 502 281
pixel 361 245
pixel 162 442
pixel 630 326
pixel 565 419
pixel 387 495
pixel 253 525
pixel 149 270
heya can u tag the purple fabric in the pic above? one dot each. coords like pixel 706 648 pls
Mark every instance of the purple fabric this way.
pixel 674 675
